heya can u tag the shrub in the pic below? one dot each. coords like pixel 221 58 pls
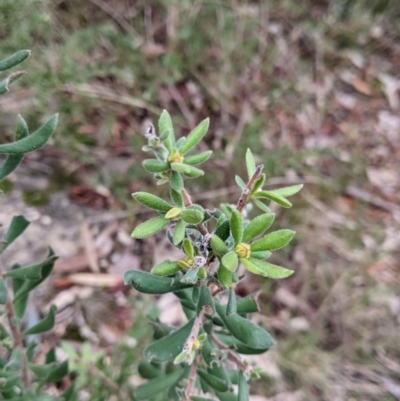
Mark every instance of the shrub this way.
pixel 21 379
pixel 193 360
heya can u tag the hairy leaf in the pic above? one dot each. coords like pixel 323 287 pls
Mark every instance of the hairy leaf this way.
pixel 224 276
pixel 166 268
pixel 273 241
pixel 150 227
pixel 205 301
pixel 155 166
pixel 179 233
pixel 152 201
pixel 243 392
pixel 198 158
pixel 14 60
pixel 17 227
pixel 257 226
pixel 186 169
pixel 218 245
pixel 177 198
pixel 236 226
pixel 215 382
pixel 288 191
pixel 44 325
pixel 195 136
pixel 230 261
pixel 231 306
pixel 244 330
pixel 250 163
pixel 147 283
pixel 165 124
pixel 280 200
pixel 3 292
pixel 257 266
pixel 34 141
pixel 192 216
pixel 167 348
pixel 176 181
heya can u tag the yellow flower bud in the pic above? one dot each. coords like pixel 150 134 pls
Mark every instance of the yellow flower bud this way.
pixel 175 157
pixel 243 250
pixel 186 263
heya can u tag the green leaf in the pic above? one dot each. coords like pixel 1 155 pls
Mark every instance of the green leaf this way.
pixel 191 276
pixel 44 325
pixel 250 163
pixel 243 393
pixel 179 233
pixel 152 201
pixel 187 247
pixel 147 283
pixel 223 230
pixel 238 346
pixel 273 241
pixel 155 166
pixel 176 181
pixel 288 191
pixel 218 245
pixel 192 216
pixel 231 307
pixel 198 158
pixel 259 183
pixel 3 292
pixel 33 272
pixel 21 291
pixel 17 227
pixel 186 169
pixel 266 269
pixel 158 385
pixel 9 165
pixel 12 161
pixel 148 370
pixel 236 226
pixel 9 80
pixel 165 124
pixel 241 184
pixel 166 268
pixel 257 226
pixel 14 60
pixel 215 382
pixel 195 136
pixel 261 255
pixel 280 200
pixel 167 348
pixel 244 330
pixel 230 261
pixel 57 374
pixel 224 276
pixel 248 304
pixel 205 301
pixel 177 198
pixel 34 141
pixel 262 206
pixel 150 227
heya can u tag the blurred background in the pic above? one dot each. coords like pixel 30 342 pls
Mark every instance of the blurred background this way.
pixel 311 86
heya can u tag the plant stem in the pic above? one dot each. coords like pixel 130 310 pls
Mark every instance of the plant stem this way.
pixel 17 341
pixel 244 198
pixel 241 364
pixel 188 202
pixel 198 322
pixel 191 379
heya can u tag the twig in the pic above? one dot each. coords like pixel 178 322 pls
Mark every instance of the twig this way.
pixel 194 333
pixel 374 200
pixel 191 379
pixel 17 342
pixel 247 190
pixel 102 92
pixel 241 364
pixel 188 202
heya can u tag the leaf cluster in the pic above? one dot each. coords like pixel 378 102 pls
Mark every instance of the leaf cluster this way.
pixel 21 377
pixel 191 360
pixel 24 141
